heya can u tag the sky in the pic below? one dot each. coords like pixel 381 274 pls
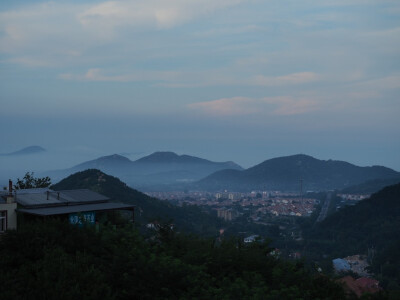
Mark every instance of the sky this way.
pixel 223 80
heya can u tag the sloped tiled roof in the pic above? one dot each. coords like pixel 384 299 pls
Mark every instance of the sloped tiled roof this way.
pixel 47 197
pixel 67 209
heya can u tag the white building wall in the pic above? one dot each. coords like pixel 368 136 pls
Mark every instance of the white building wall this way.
pixel 11 214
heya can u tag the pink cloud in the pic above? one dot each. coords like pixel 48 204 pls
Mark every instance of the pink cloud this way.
pixel 237 106
pixel 226 106
pixel 96 74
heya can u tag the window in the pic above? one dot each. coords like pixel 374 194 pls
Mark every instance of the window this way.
pixel 3 221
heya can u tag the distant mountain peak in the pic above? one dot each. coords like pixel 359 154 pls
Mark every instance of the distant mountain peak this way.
pixel 114 157
pixel 168 157
pixel 28 150
pixel 109 161
pixel 161 157
pixel 299 156
pixel 164 154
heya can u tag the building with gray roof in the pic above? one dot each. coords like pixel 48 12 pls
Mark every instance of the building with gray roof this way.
pixel 43 202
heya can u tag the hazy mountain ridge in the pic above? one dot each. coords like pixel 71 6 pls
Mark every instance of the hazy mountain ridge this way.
pixel 159 168
pixel 112 163
pixel 285 173
pixel 171 157
pixel 26 151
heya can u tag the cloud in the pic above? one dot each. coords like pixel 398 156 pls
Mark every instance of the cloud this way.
pixel 41 35
pixel 223 45
pixel 167 78
pixel 54 30
pixel 252 61
pixel 293 106
pixel 176 79
pixel 242 106
pixel 227 106
pixel 153 13
pixel 98 74
pixel 30 61
pixel 93 74
pixel 295 78
pixel 381 84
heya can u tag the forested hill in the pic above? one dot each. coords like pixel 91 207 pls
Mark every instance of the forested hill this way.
pixel 187 218
pixel 370 186
pixel 285 173
pixel 54 260
pixel 372 224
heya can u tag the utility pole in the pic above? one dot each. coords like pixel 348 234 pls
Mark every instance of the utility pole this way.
pixel 301 189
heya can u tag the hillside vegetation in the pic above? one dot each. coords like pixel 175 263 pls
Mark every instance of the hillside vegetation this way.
pixel 370 227
pixel 54 260
pixel 148 209
pixel 370 186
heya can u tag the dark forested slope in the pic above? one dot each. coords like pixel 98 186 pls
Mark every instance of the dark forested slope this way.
pixel 371 222
pixel 372 227
pixel 53 260
pixel 188 218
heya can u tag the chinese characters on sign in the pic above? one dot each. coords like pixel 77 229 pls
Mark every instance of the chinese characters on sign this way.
pixel 82 218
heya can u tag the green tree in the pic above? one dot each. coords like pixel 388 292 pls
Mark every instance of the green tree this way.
pixel 30 182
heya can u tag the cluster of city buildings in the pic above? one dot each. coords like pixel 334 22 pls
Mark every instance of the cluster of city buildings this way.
pixel 300 207
pixel 182 196
pixel 354 197
pixel 230 205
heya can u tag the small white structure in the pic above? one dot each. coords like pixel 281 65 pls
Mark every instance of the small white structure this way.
pixel 250 239
pixel 8 213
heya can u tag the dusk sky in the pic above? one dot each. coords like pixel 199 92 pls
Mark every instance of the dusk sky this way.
pixel 223 80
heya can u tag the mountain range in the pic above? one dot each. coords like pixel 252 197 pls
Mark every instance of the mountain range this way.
pixel 160 169
pixel 165 171
pixel 291 173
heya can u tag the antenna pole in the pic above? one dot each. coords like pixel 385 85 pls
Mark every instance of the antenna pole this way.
pixel 301 189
